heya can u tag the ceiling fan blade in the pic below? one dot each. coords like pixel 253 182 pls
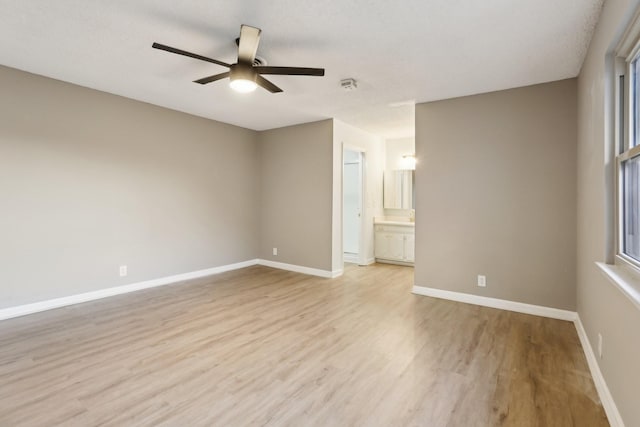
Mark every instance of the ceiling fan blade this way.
pixel 290 71
pixel 205 80
pixel 189 54
pixel 261 81
pixel 248 45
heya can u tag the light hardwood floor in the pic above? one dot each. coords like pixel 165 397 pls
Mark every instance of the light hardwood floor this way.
pixel 260 346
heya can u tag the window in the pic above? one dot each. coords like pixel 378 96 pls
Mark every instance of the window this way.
pixel 630 204
pixel 622 164
pixel 628 157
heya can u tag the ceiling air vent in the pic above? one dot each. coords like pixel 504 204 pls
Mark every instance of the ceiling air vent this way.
pixel 349 84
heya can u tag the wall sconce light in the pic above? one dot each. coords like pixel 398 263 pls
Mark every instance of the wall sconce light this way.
pixel 409 161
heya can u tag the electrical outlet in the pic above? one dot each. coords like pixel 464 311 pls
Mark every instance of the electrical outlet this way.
pixel 275 251
pixel 482 281
pixel 600 346
pixel 123 270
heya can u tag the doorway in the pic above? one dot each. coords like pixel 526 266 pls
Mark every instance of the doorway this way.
pixel 352 204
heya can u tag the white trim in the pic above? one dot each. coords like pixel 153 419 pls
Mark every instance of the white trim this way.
pixel 628 44
pixel 608 403
pixel 624 278
pixel 355 259
pixel 520 307
pixel 300 269
pixel 395 262
pixel 352 258
pixel 21 310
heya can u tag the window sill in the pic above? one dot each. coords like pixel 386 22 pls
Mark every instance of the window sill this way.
pixel 625 278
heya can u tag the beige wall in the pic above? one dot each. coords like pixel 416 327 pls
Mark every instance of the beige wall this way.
pixel 296 191
pixel 495 185
pixel 602 308
pixel 90 181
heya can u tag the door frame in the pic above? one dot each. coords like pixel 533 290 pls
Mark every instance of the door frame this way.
pixel 362 256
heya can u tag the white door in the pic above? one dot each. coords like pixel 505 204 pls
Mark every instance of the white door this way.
pixel 352 204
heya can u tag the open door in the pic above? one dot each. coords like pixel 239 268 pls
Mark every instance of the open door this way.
pixel 352 205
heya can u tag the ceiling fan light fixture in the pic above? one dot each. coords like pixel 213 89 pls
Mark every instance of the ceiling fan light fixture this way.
pixel 246 74
pixel 243 78
pixel 243 85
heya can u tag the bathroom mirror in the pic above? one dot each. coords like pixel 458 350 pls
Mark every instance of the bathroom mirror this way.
pixel 399 189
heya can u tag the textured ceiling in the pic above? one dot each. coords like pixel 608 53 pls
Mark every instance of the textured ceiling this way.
pixel 411 50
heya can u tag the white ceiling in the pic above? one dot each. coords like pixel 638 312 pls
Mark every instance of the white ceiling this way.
pixel 410 50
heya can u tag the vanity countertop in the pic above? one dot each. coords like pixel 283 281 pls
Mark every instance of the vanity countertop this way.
pixel 391 220
pixel 403 223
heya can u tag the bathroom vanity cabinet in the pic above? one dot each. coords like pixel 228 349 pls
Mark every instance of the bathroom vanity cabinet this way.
pixel 395 242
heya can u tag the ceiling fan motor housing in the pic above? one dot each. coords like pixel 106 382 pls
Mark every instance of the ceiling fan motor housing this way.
pixel 242 71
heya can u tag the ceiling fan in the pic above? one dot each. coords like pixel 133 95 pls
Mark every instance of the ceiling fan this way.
pixel 245 76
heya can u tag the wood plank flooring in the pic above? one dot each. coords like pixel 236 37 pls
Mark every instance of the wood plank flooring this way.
pixel 260 346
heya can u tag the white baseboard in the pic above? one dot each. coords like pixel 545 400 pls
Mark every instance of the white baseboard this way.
pixel 300 269
pixel 355 259
pixel 520 307
pixel 601 386
pixel 394 262
pixel 21 310
pixel 352 258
